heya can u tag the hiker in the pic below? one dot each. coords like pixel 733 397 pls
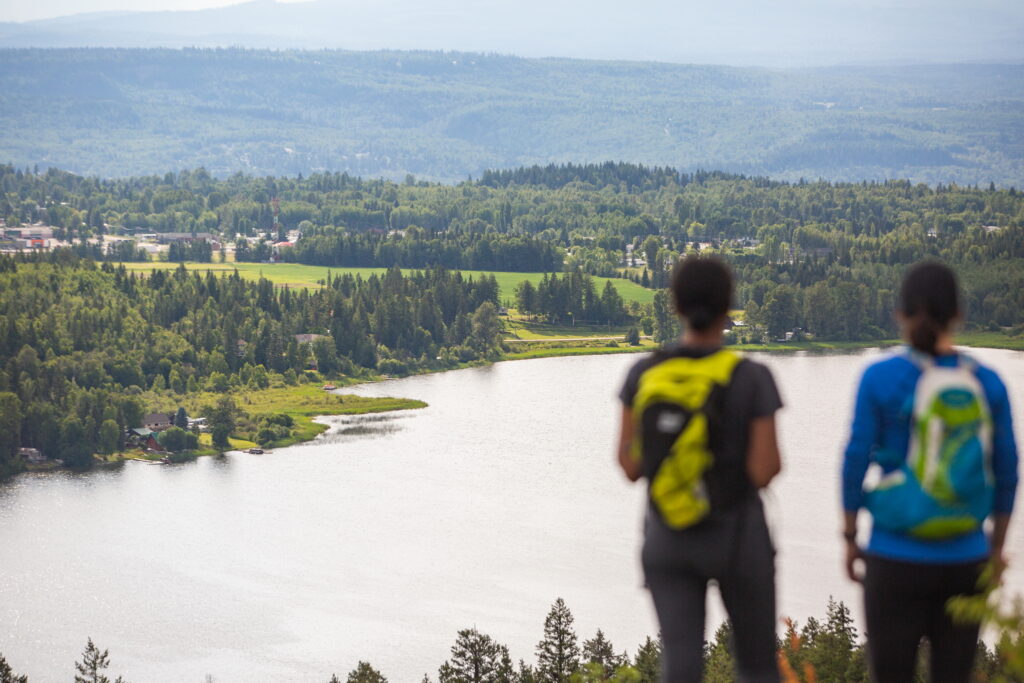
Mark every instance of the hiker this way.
pixel 938 425
pixel 698 424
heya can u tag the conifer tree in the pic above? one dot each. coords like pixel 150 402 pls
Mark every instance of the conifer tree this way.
pixel 364 673
pixel 90 669
pixel 7 674
pixel 477 658
pixel 526 673
pixel 718 664
pixel 833 654
pixel 599 650
pixel 666 326
pixel 558 655
pixel 10 430
pixel 648 661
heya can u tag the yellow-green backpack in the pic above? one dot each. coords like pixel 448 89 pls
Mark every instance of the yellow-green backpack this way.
pixel 677 416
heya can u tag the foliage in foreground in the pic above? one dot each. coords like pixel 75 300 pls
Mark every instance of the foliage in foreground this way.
pixel 820 650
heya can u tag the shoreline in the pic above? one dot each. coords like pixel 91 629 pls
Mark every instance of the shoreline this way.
pixel 303 403
pixel 306 411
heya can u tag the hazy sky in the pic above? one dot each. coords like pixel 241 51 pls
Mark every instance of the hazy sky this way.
pixel 27 10
pixel 20 10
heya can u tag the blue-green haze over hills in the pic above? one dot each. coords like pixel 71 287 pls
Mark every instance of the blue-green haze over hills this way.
pixel 445 116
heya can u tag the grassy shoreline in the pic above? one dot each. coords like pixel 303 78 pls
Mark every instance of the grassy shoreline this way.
pixel 305 402
pixel 527 349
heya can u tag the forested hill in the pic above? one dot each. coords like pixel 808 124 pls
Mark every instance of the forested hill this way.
pixel 445 116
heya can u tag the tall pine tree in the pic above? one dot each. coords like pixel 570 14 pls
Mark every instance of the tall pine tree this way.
pixel 558 655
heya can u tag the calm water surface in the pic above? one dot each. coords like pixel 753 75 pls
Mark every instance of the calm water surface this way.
pixel 384 537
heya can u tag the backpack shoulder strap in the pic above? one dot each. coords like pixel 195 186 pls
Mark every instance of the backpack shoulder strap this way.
pixel 967 361
pixel 922 360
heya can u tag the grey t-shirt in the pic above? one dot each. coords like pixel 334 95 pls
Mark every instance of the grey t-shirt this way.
pixel 751 394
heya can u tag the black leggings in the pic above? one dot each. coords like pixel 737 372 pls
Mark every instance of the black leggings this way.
pixel 905 602
pixel 736 551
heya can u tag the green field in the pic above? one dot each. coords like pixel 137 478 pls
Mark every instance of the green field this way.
pixel 295 275
pixel 988 339
pixel 528 331
pixel 524 351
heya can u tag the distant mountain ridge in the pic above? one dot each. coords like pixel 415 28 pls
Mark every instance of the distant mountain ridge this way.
pixel 736 32
pixel 449 115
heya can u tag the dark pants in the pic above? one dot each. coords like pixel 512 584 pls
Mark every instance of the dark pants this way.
pixel 736 551
pixel 905 602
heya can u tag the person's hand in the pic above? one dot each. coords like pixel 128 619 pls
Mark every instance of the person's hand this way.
pixel 854 555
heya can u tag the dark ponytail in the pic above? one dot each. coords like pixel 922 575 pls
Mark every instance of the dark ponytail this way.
pixel 929 301
pixel 702 289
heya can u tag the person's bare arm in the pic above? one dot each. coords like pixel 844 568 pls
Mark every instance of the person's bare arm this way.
pixel 763 459
pixel 1000 523
pixel 630 466
pixel 853 552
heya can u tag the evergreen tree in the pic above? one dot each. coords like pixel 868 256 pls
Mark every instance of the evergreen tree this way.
pixel 181 418
pixel 90 669
pixel 648 661
pixel 834 648
pixel 666 325
pixel 526 673
pixel 718 656
pixel 526 297
pixel 10 431
pixel 7 674
pixel 599 650
pixel 75 448
pixel 558 655
pixel 477 658
pixel 364 673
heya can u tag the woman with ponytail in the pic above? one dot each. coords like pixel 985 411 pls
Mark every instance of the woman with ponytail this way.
pixel 698 423
pixel 938 426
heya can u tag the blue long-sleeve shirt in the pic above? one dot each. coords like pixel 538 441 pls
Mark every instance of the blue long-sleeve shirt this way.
pixel 882 423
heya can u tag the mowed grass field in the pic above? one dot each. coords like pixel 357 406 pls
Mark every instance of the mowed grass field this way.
pixel 295 275
pixel 533 331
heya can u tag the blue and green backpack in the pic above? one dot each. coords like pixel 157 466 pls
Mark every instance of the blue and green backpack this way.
pixel 943 488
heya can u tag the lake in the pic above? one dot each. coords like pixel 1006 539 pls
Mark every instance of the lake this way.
pixel 384 537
